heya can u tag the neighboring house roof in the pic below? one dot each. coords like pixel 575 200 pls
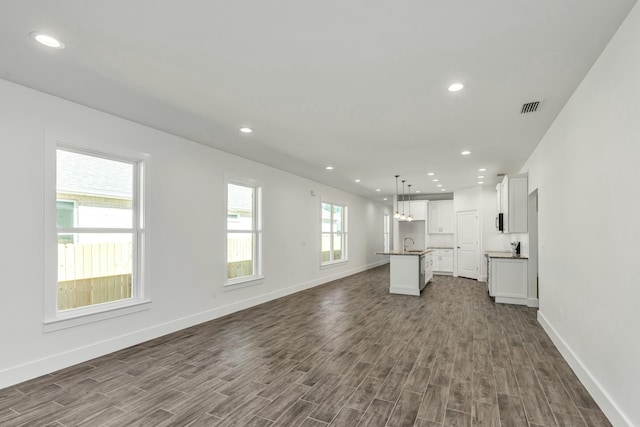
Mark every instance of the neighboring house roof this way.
pixel 83 174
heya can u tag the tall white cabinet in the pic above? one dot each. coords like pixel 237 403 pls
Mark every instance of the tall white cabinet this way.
pixel 440 218
pixel 512 201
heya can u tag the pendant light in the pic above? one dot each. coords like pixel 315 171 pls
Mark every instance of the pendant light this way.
pixel 410 217
pixel 403 216
pixel 397 214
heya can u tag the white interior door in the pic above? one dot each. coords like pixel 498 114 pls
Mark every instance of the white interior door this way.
pixel 467 227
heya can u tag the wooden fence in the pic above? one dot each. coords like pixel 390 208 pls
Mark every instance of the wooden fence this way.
pixel 240 249
pixel 93 273
pixel 240 256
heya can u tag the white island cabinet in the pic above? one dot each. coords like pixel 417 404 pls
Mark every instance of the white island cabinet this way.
pixel 410 271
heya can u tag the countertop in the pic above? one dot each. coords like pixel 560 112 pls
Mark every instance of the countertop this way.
pixel 416 253
pixel 505 254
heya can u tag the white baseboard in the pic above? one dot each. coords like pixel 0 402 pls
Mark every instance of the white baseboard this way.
pixel 510 300
pixel 403 291
pixel 599 394
pixel 443 273
pixel 35 368
pixel 533 302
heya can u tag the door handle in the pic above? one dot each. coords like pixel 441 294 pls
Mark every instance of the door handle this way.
pixel 458 247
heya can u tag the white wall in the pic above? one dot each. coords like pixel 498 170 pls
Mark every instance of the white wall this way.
pixel 440 240
pixel 586 172
pixel 185 229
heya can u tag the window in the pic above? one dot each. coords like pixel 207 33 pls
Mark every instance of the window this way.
pixel 99 231
pixel 385 232
pixel 334 233
pixel 244 234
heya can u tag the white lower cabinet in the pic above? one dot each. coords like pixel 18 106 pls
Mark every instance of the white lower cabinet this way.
pixel 508 280
pixel 443 261
pixel 428 266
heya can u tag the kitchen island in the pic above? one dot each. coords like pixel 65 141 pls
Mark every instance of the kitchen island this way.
pixel 410 271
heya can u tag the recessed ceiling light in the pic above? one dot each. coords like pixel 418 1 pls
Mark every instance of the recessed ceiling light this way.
pixel 246 130
pixel 435 180
pixel 431 174
pixel 385 198
pixel 481 170
pixel 480 182
pixel 480 176
pixel 417 191
pixel 48 40
pixel 443 189
pixel 377 189
pixel 466 152
pixel 456 87
pixel 357 180
pixel 329 168
pixel 439 185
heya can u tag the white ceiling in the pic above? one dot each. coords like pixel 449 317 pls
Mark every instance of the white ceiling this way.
pixel 357 84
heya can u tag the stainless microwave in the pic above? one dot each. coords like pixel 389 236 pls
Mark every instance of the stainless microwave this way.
pixel 500 222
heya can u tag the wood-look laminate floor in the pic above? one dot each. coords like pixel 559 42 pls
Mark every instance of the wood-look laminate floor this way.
pixel 346 354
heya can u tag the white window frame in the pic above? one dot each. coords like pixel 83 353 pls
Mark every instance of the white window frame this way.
pixel 256 230
pixel 386 232
pixel 54 319
pixel 332 233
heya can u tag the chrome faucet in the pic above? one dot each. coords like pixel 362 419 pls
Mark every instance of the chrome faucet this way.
pixel 404 242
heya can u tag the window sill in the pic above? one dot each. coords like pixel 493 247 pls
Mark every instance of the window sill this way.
pixel 94 314
pixel 242 283
pixel 333 264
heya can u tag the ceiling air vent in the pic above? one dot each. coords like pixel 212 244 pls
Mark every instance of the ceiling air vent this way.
pixel 530 107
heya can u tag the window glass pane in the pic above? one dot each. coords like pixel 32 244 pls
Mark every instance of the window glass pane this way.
pixel 326 218
pixel 102 190
pixel 240 255
pixel 64 218
pixel 326 247
pixel 240 207
pixel 97 268
pixel 64 214
pixel 337 247
pixel 337 219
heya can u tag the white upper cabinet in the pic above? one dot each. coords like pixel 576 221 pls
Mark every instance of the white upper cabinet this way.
pixel 513 198
pixel 441 217
pixel 418 210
